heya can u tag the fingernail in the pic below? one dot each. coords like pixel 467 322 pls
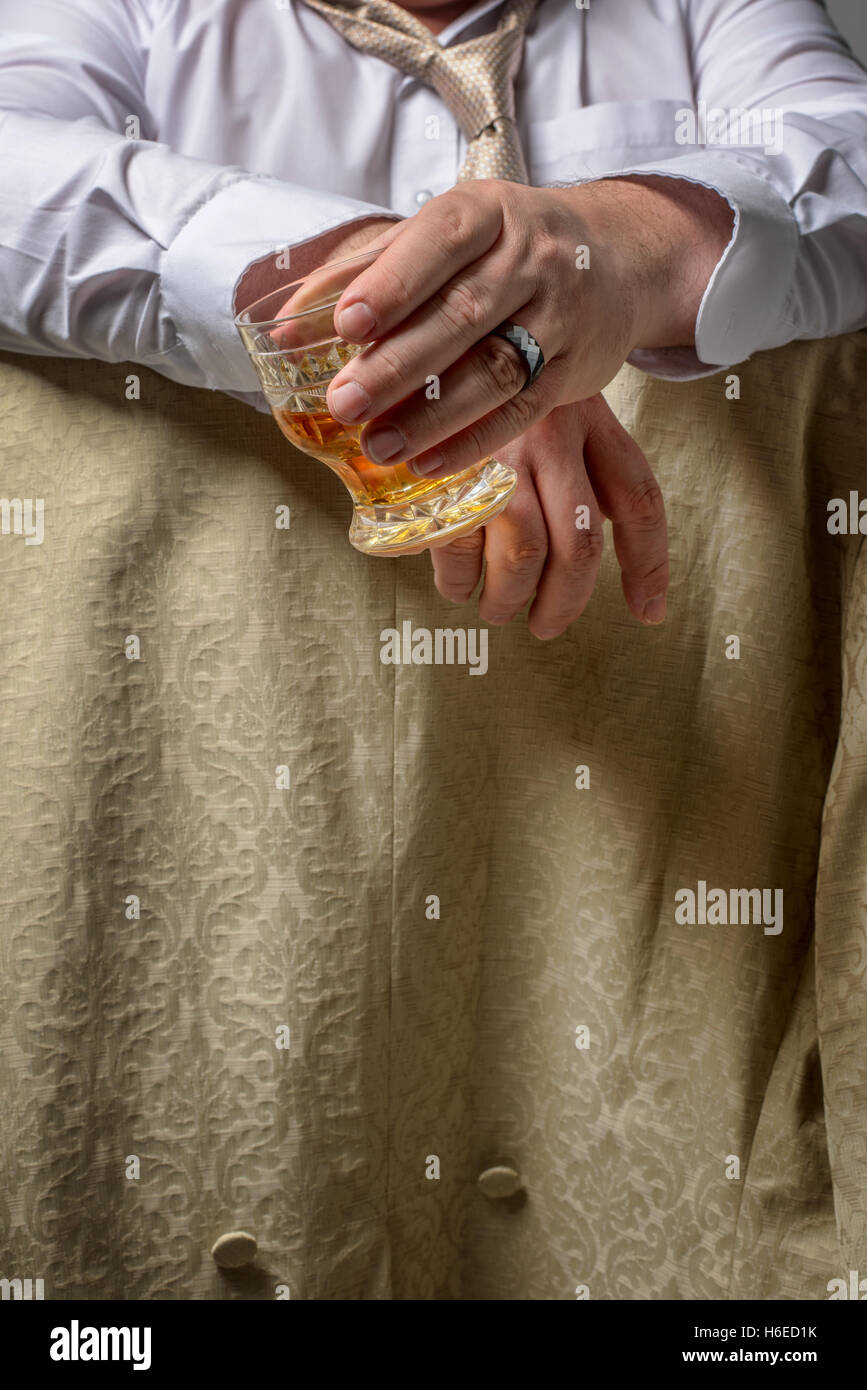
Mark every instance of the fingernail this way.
pixel 349 401
pixel 426 465
pixel 355 320
pixel 382 444
pixel 654 609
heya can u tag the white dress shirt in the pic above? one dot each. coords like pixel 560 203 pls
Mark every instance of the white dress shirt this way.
pixel 152 150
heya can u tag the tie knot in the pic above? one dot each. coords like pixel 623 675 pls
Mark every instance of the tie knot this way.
pixel 476 78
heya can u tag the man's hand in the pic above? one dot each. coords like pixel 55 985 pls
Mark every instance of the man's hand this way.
pixel 575 467
pixel 489 250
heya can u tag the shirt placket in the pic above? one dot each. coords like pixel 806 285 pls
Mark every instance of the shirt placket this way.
pixel 428 147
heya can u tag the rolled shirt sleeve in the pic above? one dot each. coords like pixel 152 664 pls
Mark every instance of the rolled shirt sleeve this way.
pixel 251 235
pixel 112 245
pixel 796 263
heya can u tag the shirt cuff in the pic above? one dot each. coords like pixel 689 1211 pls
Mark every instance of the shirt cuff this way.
pixel 253 219
pixel 745 307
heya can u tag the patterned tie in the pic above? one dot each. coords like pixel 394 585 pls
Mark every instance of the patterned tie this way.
pixel 475 79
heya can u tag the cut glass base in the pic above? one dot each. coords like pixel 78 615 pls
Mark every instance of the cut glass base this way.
pixel 460 505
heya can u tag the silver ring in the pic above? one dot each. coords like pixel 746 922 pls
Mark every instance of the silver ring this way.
pixel 527 347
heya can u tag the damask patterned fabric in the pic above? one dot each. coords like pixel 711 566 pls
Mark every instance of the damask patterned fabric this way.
pixel 310 907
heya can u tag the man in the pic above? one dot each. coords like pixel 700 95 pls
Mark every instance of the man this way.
pixel 117 246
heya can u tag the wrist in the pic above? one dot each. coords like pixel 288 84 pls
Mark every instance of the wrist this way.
pixel 663 238
pixel 354 239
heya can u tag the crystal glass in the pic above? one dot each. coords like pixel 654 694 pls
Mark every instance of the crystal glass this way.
pixel 293 344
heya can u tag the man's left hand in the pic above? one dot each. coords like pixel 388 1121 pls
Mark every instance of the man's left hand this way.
pixel 575 467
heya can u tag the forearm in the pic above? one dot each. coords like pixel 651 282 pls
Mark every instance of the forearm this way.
pixel 84 224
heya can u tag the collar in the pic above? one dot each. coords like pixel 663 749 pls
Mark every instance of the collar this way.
pixel 463 21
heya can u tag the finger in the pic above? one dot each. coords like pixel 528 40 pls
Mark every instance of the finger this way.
pixel 458 565
pixel 488 376
pixel 629 494
pixel 444 236
pixel 309 310
pixel 438 334
pixel 493 430
pixel 322 286
pixel 575 541
pixel 516 544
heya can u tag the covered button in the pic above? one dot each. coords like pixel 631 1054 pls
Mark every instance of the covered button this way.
pixel 499 1182
pixel 234 1249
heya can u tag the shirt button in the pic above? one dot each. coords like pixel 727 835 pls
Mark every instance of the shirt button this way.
pixel 423 196
pixel 234 1249
pixel 499 1182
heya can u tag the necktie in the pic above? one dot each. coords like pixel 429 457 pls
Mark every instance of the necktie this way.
pixel 475 79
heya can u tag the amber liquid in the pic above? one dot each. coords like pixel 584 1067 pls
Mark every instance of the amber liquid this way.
pixel 317 433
